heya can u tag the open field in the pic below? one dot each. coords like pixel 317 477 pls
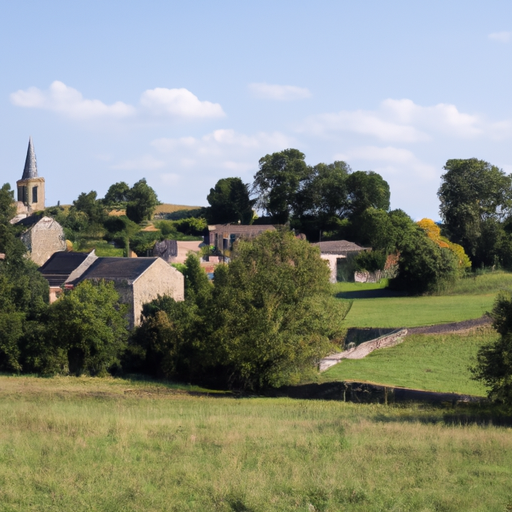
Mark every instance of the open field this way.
pixel 376 306
pixel 171 208
pixel 423 361
pixel 113 445
pixel 417 311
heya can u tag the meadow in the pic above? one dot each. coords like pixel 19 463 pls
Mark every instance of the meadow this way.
pixel 375 306
pixel 433 362
pixel 117 445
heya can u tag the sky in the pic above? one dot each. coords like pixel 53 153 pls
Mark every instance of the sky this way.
pixel 186 93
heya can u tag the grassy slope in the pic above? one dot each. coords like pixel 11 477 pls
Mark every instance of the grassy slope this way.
pixel 84 444
pixel 431 362
pixel 417 311
pixel 470 298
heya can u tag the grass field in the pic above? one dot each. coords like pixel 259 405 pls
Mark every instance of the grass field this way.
pixel 417 311
pixel 112 445
pixel 421 361
pixel 375 306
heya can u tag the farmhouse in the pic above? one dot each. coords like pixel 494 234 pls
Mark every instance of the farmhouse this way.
pixel 336 250
pixel 222 236
pixel 65 266
pixel 137 280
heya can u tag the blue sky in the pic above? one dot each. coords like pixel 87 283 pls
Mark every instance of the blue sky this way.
pixel 186 93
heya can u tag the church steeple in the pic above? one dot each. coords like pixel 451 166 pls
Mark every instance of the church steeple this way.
pixel 31 186
pixel 30 170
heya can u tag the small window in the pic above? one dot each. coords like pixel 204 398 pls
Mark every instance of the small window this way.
pixel 21 194
pixel 34 195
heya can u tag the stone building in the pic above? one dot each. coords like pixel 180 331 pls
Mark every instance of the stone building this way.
pixel 335 250
pixel 222 236
pixel 138 281
pixel 43 237
pixel 63 267
pixel 31 193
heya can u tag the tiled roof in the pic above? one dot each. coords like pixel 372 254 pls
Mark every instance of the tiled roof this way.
pixel 122 269
pixel 338 247
pixel 60 265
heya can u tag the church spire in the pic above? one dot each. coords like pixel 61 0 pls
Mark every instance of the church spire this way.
pixel 30 170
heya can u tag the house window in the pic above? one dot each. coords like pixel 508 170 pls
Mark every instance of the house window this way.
pixel 22 194
pixel 34 195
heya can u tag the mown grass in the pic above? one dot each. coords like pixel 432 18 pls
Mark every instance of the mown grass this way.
pixel 107 449
pixel 470 298
pixel 417 311
pixel 434 362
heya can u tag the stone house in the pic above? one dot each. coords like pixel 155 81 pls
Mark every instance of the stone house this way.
pixel 43 237
pixel 222 236
pixel 63 266
pixel 335 250
pixel 138 281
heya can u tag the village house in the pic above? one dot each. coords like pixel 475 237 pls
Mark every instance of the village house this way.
pixel 43 237
pixel 64 266
pixel 338 251
pixel 137 280
pixel 222 236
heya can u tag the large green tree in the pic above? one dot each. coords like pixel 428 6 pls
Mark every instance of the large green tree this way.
pixel 88 326
pixel 473 195
pixel 230 202
pixel 277 181
pixel 494 360
pixel 274 312
pixel 366 189
pixel 142 201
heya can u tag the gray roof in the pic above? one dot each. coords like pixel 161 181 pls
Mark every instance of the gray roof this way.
pixel 116 269
pixel 339 247
pixel 60 265
pixel 30 170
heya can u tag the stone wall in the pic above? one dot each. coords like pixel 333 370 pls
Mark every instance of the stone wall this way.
pixel 332 259
pixel 43 239
pixel 159 279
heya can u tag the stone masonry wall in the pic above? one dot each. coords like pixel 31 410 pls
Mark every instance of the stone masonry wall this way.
pixel 43 239
pixel 159 279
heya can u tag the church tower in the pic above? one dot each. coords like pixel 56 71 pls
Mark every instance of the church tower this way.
pixel 31 186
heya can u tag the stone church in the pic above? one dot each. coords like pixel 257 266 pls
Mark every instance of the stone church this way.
pixel 42 235
pixel 31 186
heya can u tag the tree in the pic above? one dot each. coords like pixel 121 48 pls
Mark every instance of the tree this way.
pixel 229 202
pixel 472 193
pixel 366 189
pixel 322 198
pixel 142 201
pixel 494 360
pixel 89 326
pixel 433 231
pixel 91 206
pixel 275 315
pixel 277 182
pixel 117 194
pixel 423 266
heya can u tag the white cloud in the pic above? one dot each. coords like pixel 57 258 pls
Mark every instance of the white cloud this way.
pixel 224 141
pixel 502 37
pixel 159 102
pixel 178 103
pixel 406 122
pixel 390 160
pixel 144 163
pixel 279 92
pixel 70 102
pixel 170 178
